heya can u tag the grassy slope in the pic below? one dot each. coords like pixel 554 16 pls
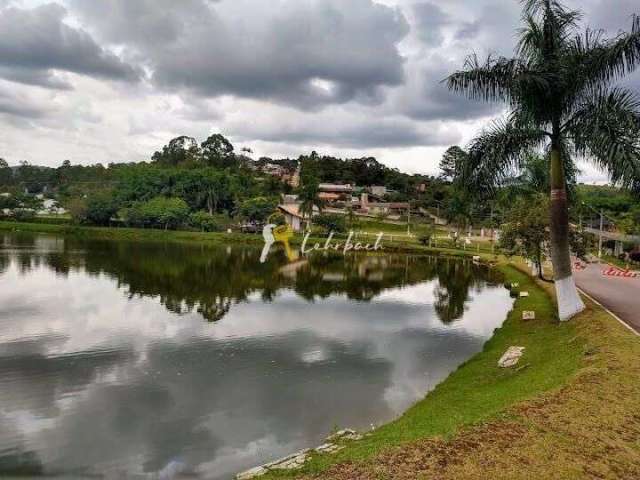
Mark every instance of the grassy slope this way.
pixel 479 390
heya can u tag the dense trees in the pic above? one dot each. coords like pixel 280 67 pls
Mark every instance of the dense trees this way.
pixel 365 171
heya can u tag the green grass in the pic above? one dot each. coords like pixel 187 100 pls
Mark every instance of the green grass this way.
pixel 137 234
pixel 399 244
pixel 479 390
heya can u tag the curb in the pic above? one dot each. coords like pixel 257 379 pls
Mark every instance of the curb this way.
pixel 626 325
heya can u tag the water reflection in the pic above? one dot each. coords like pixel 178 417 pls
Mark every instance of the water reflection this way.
pixel 107 367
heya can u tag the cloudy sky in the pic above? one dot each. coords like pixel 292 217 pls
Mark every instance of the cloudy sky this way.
pixel 114 80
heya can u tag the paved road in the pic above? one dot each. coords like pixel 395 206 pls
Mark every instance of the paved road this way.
pixel 620 295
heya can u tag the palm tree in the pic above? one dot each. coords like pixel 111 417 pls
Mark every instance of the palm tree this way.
pixel 309 198
pixel 561 96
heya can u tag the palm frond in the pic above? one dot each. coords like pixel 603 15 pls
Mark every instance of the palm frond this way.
pixel 606 130
pixel 606 60
pixel 498 79
pixel 531 41
pixel 553 19
pixel 497 153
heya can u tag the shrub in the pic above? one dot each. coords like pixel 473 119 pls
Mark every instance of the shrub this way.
pixel 204 221
pixel 77 208
pixel 158 212
pixel 635 256
pixel 100 208
pixel 23 214
pixel 331 222
pixel 257 209
pixel 425 238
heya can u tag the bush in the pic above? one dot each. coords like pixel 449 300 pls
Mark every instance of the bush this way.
pixel 158 212
pixel 277 219
pixel 8 202
pixel 100 208
pixel 425 238
pixel 77 208
pixel 634 256
pixel 257 209
pixel 204 221
pixel 331 222
pixel 23 215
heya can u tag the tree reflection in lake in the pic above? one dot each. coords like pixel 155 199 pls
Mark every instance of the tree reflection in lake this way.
pixel 209 281
pixel 108 369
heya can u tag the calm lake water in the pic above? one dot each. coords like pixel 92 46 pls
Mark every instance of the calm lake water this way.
pixel 130 360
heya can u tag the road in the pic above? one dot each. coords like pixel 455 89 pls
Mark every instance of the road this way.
pixel 620 295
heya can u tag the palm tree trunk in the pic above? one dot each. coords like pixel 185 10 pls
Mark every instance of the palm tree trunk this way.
pixel 569 301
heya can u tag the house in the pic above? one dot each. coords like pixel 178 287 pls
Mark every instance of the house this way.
pixel 380 208
pixel 378 191
pixel 343 189
pixel 333 193
pixel 289 199
pixel 294 217
pixel 294 181
pixel 284 173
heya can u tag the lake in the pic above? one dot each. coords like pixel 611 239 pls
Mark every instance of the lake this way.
pixel 127 360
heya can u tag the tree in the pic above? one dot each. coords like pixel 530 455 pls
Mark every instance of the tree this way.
pixel 217 151
pixel 203 221
pixel 77 208
pixel 332 222
pixel 561 95
pixel 6 175
pixel 451 162
pixel 526 230
pixel 100 208
pixel 179 151
pixel 165 212
pixel 257 209
pixel 459 210
pixel 309 197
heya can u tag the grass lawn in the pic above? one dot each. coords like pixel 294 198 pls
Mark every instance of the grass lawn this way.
pixel 570 411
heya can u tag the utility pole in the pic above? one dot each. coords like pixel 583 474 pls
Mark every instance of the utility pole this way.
pixel 601 229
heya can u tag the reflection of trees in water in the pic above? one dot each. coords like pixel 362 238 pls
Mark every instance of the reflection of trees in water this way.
pixel 21 464
pixel 209 280
pixel 455 279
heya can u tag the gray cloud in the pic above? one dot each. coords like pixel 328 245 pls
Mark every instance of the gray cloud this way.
pixel 430 20
pixel 428 98
pixel 14 104
pixel 349 132
pixel 39 78
pixel 309 53
pixel 37 41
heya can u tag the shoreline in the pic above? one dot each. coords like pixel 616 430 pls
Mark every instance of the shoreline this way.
pixel 483 417
pixel 209 238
